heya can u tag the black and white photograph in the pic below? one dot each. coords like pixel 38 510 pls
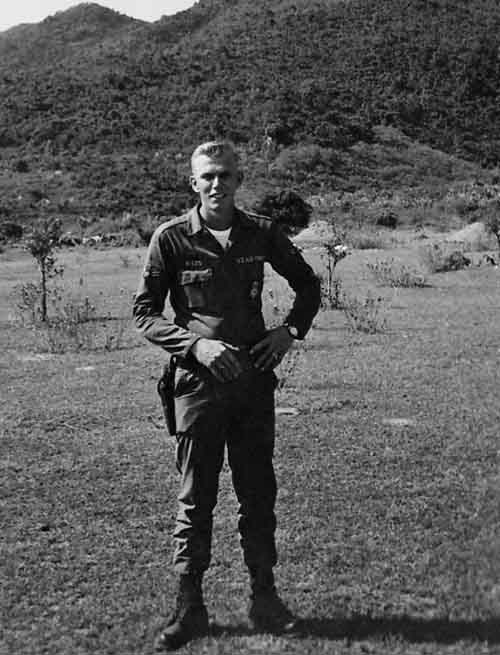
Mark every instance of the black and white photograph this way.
pixel 250 327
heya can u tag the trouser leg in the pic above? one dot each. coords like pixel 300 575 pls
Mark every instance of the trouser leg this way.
pixel 250 456
pixel 200 455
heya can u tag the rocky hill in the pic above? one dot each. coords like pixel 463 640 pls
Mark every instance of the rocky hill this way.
pixel 100 109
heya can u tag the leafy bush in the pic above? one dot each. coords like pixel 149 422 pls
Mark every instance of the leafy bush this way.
pixel 71 326
pixel 286 208
pixel 26 301
pixel 392 273
pixel 367 241
pixel 365 314
pixel 73 331
pixel 10 230
pixel 388 219
pixel 440 258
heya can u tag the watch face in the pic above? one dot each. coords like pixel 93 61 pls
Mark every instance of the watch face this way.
pixel 293 331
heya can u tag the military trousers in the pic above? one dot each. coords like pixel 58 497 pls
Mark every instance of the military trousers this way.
pixel 211 417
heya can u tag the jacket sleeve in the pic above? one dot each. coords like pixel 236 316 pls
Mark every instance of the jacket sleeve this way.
pixel 287 260
pixel 149 301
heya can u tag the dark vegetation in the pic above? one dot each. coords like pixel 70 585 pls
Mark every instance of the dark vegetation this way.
pixel 286 208
pixel 98 111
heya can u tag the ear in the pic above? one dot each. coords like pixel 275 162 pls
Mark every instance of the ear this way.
pixel 194 184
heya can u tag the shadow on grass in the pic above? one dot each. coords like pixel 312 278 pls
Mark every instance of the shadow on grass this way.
pixel 411 629
pixel 362 626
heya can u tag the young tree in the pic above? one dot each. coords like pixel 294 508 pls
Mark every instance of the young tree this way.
pixel 41 243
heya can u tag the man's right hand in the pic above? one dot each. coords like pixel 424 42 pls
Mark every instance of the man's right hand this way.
pixel 218 357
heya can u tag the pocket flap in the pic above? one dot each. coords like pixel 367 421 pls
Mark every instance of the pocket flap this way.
pixel 195 277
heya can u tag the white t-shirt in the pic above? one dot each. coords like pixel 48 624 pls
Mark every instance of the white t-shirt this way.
pixel 222 236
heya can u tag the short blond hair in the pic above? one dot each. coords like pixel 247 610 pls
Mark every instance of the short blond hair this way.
pixel 215 150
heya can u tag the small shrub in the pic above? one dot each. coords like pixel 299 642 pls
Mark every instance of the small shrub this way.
pixel 392 273
pixel 21 166
pixel 365 314
pixel 10 231
pixel 331 293
pixel 287 208
pixel 71 323
pixel 367 241
pixel 26 301
pixel 71 326
pixel 440 258
pixel 388 219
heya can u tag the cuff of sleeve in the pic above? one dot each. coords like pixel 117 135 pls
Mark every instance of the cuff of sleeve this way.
pixel 189 347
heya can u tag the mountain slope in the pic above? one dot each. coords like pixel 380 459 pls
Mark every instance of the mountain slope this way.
pixel 431 68
pixel 97 94
pixel 61 37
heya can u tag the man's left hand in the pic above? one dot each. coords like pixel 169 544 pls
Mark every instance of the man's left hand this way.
pixel 269 352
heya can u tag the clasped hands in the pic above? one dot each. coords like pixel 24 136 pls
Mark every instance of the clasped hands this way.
pixel 222 361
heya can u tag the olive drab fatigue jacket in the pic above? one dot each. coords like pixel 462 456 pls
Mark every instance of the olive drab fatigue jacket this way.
pixel 216 293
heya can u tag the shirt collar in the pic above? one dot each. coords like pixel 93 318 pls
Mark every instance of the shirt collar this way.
pixel 195 223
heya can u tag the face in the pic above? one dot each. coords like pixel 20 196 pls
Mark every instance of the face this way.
pixel 216 181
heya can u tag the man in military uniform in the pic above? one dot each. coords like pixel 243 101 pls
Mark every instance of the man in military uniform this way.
pixel 211 263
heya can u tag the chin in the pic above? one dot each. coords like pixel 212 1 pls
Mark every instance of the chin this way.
pixel 221 202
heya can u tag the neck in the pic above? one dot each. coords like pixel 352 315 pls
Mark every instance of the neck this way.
pixel 217 220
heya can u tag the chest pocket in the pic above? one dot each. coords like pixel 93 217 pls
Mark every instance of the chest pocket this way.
pixel 197 287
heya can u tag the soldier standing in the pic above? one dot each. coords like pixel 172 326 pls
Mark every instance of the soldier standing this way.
pixel 211 263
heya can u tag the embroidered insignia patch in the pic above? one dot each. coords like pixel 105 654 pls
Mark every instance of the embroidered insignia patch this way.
pixel 194 263
pixel 250 259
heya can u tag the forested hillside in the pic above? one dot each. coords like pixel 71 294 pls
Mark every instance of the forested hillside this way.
pixel 113 104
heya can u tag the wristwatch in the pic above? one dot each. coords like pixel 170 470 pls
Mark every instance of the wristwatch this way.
pixel 292 330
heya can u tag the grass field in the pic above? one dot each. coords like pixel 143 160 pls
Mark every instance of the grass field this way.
pixel 389 478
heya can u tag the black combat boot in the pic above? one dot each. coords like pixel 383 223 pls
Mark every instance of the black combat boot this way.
pixel 268 613
pixel 190 618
